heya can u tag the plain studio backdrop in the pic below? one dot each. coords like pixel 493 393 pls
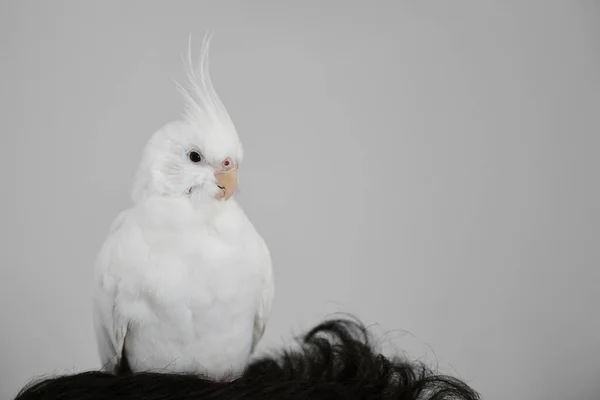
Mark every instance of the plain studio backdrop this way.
pixel 430 167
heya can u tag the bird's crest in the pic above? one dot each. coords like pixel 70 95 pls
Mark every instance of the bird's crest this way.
pixel 202 104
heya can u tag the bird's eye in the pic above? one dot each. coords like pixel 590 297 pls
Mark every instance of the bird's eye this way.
pixel 195 156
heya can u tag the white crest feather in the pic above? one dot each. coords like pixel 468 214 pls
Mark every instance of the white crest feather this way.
pixel 202 104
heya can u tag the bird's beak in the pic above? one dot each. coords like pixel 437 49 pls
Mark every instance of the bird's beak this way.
pixel 227 182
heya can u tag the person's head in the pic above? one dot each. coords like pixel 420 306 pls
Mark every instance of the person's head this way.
pixel 335 361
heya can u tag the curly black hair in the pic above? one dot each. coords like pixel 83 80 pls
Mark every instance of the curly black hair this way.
pixel 335 360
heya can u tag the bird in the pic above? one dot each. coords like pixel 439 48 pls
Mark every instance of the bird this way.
pixel 183 282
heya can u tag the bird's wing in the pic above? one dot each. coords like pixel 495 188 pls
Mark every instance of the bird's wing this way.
pixel 110 324
pixel 266 297
pixel 111 330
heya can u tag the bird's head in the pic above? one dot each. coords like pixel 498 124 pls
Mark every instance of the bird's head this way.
pixel 198 155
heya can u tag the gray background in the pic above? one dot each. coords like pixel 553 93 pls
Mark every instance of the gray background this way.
pixel 430 167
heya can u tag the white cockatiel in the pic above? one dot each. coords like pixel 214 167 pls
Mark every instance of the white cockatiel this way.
pixel 183 282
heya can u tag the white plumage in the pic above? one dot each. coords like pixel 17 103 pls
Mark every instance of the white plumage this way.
pixel 183 282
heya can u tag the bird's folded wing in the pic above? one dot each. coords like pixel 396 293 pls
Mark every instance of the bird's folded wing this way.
pixel 111 330
pixel 110 325
pixel 266 297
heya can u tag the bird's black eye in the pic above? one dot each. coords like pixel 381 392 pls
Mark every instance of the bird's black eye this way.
pixel 194 156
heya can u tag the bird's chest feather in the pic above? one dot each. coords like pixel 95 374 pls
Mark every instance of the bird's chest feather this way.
pixel 198 270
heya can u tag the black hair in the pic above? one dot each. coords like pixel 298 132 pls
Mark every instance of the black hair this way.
pixel 335 360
